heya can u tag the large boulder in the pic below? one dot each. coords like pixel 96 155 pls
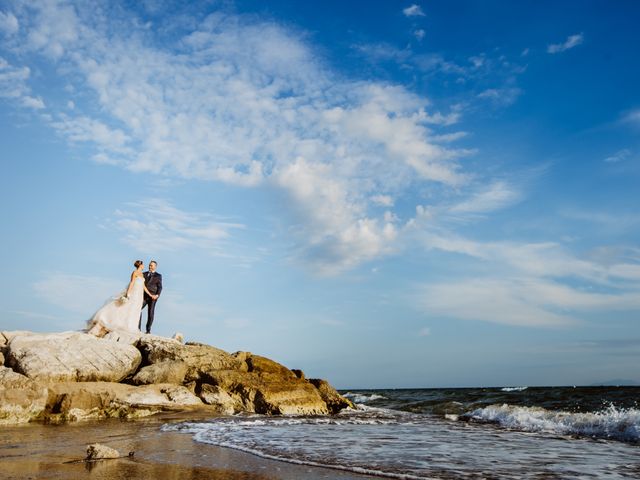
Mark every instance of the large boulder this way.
pixel 224 402
pixel 21 399
pixel 123 337
pixel 161 372
pixel 71 401
pixel 262 365
pixel 71 356
pixel 335 402
pixel 199 358
pixel 269 393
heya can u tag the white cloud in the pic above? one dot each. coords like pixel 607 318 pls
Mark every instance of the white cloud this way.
pixel 571 42
pixel 520 301
pixel 438 118
pixel 619 156
pixel 13 80
pixel 501 96
pixel 33 102
pixel 338 234
pixel 496 196
pixel 529 285
pixel 249 103
pixel 477 60
pixel 382 200
pixel 413 11
pixel 54 28
pixel 490 300
pixel 156 223
pixel 85 129
pixel 449 137
pixel 419 34
pixel 609 221
pixel 8 23
pixel 383 52
pixel 632 117
pixel 14 86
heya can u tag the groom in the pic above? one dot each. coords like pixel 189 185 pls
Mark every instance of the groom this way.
pixel 153 282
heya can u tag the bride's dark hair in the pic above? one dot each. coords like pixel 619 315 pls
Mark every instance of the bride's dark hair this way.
pixel 137 263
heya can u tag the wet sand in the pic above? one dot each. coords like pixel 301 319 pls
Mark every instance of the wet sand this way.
pixel 56 451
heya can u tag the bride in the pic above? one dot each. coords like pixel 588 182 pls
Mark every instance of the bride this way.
pixel 122 313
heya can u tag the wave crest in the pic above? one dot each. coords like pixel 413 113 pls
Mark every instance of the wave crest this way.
pixel 362 397
pixel 513 389
pixel 611 423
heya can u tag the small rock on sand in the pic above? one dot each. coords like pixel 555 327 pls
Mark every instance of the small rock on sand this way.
pixel 97 451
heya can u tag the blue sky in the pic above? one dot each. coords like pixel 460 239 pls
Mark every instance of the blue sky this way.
pixel 384 194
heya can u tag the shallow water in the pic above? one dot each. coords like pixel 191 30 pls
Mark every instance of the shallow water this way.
pixel 452 433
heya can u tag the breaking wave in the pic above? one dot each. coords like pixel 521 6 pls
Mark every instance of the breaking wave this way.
pixel 363 398
pixel 611 423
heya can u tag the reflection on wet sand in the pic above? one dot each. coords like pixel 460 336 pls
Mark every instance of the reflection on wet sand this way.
pixel 56 451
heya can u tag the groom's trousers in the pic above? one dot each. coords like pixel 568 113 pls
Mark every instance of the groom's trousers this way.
pixel 150 303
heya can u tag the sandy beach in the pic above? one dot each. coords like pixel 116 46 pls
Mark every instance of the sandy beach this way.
pixel 36 451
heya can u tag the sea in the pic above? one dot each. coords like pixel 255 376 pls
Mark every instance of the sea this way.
pixel 514 432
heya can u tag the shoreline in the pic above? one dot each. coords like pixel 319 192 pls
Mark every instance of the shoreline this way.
pixel 56 451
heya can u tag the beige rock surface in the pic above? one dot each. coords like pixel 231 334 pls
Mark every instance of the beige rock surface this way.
pixel 71 356
pixel 269 388
pixel 74 376
pixel 9 335
pixel 97 451
pixel 226 403
pixel 335 402
pixel 123 337
pixel 198 357
pixel 72 401
pixel 21 399
pixel 166 371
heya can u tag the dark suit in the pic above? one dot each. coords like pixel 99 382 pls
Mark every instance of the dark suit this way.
pixel 153 282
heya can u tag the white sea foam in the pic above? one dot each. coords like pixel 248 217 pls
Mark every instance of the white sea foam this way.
pixel 363 398
pixel 513 389
pixel 611 423
pixel 240 434
pixel 380 442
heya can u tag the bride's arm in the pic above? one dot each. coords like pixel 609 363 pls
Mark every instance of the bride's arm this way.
pixel 133 279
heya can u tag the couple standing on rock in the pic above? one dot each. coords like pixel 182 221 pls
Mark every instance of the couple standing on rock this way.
pixel 124 313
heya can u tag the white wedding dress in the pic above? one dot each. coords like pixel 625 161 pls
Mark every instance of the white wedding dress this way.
pixel 118 315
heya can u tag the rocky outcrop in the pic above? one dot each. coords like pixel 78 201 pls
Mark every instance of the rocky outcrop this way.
pixel 21 399
pixel 72 401
pixel 198 358
pixel 73 356
pixel 267 393
pixel 74 376
pixel 224 402
pixel 335 402
pixel 162 372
